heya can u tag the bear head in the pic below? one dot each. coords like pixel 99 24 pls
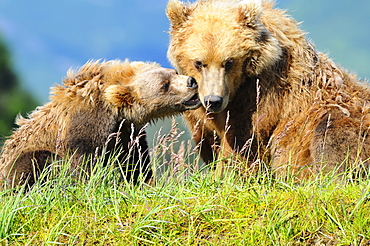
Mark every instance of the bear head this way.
pixel 141 92
pixel 220 43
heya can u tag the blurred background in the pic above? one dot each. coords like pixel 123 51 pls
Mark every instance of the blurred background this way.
pixel 41 39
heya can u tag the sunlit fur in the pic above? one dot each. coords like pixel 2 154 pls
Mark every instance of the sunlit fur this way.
pixel 99 99
pixel 299 107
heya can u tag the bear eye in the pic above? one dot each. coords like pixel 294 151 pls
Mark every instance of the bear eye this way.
pixel 229 64
pixel 165 86
pixel 198 65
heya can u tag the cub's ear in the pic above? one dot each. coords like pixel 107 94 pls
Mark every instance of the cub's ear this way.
pixel 250 12
pixel 178 12
pixel 120 95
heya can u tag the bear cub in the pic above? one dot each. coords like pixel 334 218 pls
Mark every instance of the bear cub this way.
pixel 101 108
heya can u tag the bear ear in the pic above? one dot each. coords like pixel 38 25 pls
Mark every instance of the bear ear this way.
pixel 178 12
pixel 120 95
pixel 250 12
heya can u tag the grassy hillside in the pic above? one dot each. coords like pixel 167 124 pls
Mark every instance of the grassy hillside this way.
pixel 185 205
pixel 192 210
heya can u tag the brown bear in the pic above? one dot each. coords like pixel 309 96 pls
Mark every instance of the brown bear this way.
pixel 267 93
pixel 103 105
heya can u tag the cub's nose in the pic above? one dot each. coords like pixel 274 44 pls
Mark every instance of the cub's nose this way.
pixel 192 83
pixel 213 103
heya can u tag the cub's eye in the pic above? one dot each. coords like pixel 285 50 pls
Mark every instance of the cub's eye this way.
pixel 198 64
pixel 228 64
pixel 165 86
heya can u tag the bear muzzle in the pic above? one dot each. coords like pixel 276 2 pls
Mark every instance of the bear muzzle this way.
pixel 213 103
pixel 192 83
pixel 193 102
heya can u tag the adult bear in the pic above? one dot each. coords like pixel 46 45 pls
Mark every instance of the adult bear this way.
pixel 266 91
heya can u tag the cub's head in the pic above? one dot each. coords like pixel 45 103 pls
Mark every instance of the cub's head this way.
pixel 142 92
pixel 219 43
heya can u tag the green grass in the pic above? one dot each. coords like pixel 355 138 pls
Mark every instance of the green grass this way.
pixel 185 205
pixel 197 210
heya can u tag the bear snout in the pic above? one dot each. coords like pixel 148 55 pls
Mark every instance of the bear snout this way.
pixel 192 83
pixel 213 103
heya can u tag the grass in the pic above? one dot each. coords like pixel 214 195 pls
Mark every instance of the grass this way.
pixel 185 205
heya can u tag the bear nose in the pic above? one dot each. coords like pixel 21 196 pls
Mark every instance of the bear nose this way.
pixel 213 103
pixel 192 83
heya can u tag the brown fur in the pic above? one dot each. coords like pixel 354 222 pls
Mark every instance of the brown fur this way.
pixel 301 109
pixel 105 100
